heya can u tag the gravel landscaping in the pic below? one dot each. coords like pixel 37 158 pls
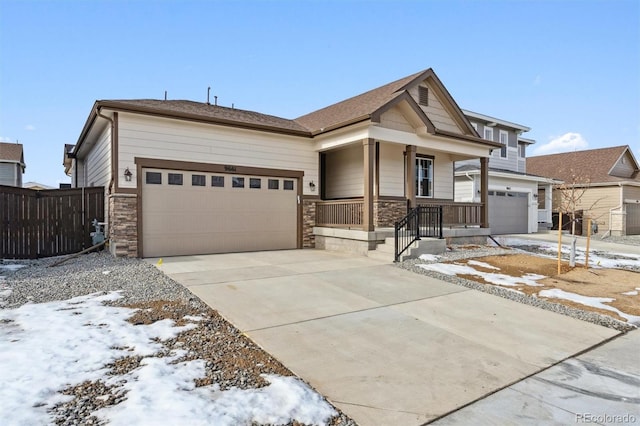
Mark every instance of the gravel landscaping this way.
pixel 232 360
pixel 467 252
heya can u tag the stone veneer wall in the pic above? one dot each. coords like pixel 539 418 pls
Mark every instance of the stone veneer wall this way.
pixel 123 225
pixel 308 222
pixel 386 213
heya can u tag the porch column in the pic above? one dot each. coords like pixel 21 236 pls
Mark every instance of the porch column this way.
pixel 368 147
pixel 484 192
pixel 410 178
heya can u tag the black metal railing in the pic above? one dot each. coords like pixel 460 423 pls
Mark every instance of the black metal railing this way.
pixel 422 221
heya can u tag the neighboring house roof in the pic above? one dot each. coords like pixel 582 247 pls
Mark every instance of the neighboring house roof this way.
pixel 36 185
pixel 593 165
pixel 12 153
pixel 495 121
pixel 368 105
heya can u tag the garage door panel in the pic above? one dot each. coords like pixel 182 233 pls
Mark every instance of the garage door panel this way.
pixel 186 219
pixel 508 213
pixel 633 219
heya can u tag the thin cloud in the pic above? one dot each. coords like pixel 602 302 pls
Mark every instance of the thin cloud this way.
pixel 566 143
pixel 5 139
pixel 538 80
pixel 30 127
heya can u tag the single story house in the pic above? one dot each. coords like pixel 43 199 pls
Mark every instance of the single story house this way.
pixel 184 177
pixel 605 184
pixel 515 196
pixel 12 164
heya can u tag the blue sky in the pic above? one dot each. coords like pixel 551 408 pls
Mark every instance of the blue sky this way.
pixel 570 70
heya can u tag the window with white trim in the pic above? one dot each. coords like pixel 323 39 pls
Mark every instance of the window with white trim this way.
pixel 488 133
pixel 522 150
pixel 504 140
pixel 424 177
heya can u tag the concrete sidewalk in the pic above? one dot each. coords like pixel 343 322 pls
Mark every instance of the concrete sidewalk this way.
pixel 385 345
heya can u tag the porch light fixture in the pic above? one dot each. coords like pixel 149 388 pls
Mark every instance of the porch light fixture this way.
pixel 535 195
pixel 127 175
pixel 312 186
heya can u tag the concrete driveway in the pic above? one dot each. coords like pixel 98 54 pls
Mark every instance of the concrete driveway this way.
pixel 385 345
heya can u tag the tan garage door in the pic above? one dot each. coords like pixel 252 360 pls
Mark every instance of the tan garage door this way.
pixel 187 212
pixel 633 219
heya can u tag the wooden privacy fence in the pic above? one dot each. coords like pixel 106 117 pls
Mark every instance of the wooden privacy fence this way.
pixel 46 223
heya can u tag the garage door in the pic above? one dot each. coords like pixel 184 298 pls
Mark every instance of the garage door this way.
pixel 187 213
pixel 508 212
pixel 633 219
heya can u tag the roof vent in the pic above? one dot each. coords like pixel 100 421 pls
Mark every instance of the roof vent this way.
pixel 423 95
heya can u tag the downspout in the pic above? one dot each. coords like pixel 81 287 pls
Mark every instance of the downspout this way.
pixel 99 114
pixel 608 233
pixel 473 187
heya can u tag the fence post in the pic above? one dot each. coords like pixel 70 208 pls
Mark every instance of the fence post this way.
pixel 440 210
pixel 417 222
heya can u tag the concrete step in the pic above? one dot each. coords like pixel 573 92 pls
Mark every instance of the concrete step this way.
pixel 424 246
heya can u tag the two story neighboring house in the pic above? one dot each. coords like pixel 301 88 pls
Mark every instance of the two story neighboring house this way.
pixel 11 164
pixel 517 200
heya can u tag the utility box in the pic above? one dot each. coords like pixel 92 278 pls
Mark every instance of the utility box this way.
pixel 97 236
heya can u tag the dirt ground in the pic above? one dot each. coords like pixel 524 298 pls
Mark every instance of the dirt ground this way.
pixel 587 282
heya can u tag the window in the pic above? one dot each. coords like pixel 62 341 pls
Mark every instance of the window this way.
pixel 504 140
pixel 198 180
pixel 237 182
pixel 424 177
pixel 488 133
pixel 153 178
pixel 175 179
pixel 522 150
pixel 255 183
pixel 288 185
pixel 423 95
pixel 274 184
pixel 217 181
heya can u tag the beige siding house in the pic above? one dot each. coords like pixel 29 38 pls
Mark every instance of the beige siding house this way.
pixel 605 183
pixel 185 177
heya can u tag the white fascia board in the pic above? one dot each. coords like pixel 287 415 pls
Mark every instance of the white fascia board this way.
pixel 495 120
pixel 529 178
pixel 526 140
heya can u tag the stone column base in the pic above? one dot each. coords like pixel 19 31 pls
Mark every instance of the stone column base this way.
pixel 123 225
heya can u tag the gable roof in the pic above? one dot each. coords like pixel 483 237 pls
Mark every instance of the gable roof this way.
pixel 12 153
pixel 366 106
pixel 204 111
pixel 594 164
pixel 371 104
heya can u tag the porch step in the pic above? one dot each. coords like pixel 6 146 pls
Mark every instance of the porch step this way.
pixel 386 250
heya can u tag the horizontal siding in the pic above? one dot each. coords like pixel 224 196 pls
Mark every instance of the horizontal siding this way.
pixel 391 170
pixel 463 190
pixel 98 161
pixel 442 174
pixel 8 174
pixel 596 203
pixel 436 112
pixel 344 169
pixel 151 137
pixel 631 192
pixel 393 119
pixel 625 169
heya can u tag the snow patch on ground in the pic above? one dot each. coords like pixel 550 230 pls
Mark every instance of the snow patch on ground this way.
pixel 595 302
pixel 482 264
pixel 68 342
pixel 11 266
pixel 490 277
pixel 429 257
pixel 631 293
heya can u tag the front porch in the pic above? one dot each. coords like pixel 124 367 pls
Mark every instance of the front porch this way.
pixel 340 225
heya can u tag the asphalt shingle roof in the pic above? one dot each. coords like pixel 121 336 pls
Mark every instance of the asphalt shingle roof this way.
pixel 11 152
pixel 592 165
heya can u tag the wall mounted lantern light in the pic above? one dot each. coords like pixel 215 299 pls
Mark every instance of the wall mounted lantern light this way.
pixel 127 175
pixel 312 186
